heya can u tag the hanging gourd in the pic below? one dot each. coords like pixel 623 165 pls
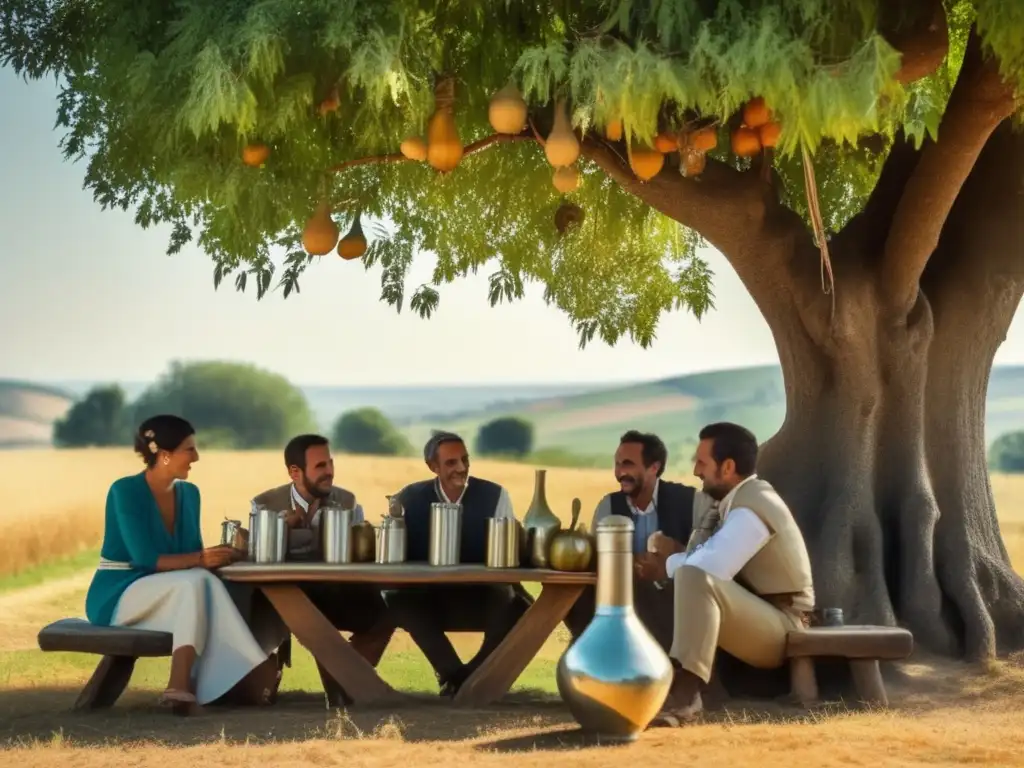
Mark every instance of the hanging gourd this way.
pixel 745 142
pixel 561 147
pixel 414 148
pixel 704 139
pixel 666 142
pixel 255 155
pixel 692 162
pixel 444 147
pixel 769 134
pixel 566 179
pixel 507 110
pixel 613 130
pixel 646 162
pixel 756 113
pixel 320 233
pixel 352 245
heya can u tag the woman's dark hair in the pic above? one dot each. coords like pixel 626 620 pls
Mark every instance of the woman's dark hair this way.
pixel 164 432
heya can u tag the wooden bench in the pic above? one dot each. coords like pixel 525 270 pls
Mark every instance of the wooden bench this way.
pixel 863 646
pixel 120 647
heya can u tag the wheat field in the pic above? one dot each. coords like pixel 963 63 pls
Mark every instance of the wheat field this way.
pixel 941 713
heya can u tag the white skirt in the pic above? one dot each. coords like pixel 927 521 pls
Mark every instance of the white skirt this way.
pixel 195 607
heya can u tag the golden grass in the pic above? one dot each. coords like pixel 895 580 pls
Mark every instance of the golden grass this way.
pixel 56 498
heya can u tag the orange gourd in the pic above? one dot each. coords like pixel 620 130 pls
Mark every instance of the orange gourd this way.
pixel 692 163
pixel 613 130
pixel 756 113
pixel 444 148
pixel 645 162
pixel 255 155
pixel 566 179
pixel 353 244
pixel 704 140
pixel 320 233
pixel 562 147
pixel 745 142
pixel 414 148
pixel 507 111
pixel 769 134
pixel 666 142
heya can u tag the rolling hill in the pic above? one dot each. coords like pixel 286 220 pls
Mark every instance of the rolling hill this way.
pixel 591 423
pixel 27 413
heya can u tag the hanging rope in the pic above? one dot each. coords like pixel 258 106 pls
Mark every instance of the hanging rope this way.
pixel 814 209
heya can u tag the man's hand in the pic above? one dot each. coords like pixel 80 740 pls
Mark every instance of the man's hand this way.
pixel 294 518
pixel 649 567
pixel 212 558
pixel 663 546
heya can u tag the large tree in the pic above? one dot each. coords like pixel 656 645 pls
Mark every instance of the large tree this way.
pixel 881 238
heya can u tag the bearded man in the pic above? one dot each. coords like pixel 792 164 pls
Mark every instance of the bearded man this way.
pixel 742 583
pixel 654 505
pixel 352 607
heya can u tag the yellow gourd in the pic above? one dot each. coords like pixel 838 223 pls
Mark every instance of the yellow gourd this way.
pixel 255 155
pixel 507 110
pixel 352 245
pixel 566 179
pixel 444 148
pixel 562 147
pixel 756 113
pixel 745 142
pixel 414 148
pixel 645 162
pixel 320 233
pixel 613 131
pixel 704 140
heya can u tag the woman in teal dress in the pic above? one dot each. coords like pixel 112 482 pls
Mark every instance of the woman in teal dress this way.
pixel 155 573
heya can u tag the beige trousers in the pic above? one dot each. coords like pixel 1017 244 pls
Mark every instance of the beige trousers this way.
pixel 711 613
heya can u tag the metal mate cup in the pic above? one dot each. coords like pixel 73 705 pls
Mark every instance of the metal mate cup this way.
pixel 445 533
pixel 391 540
pixel 230 533
pixel 251 547
pixel 336 531
pixel 502 543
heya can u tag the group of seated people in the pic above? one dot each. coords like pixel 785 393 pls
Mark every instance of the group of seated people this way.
pixel 721 567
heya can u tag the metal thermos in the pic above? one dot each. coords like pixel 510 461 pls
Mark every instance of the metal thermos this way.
pixel 336 534
pixel 445 533
pixel 251 553
pixel 270 536
pixel 502 543
pixel 230 533
pixel 391 540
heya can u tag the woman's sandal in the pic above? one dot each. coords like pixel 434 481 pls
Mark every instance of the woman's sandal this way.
pixel 181 702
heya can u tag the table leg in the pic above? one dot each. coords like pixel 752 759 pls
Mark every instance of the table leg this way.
pixel 360 681
pixel 499 671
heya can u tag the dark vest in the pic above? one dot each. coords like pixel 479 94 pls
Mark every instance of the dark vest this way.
pixel 478 505
pixel 675 509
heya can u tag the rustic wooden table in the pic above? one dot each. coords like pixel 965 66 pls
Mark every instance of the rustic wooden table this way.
pixel 280 583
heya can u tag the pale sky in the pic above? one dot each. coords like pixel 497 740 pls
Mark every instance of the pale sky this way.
pixel 87 294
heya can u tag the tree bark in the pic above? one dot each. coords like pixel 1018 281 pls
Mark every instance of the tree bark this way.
pixel 882 453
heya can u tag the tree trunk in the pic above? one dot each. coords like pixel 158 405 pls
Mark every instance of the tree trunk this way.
pixel 882 453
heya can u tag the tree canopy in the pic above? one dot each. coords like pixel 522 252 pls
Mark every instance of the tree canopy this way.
pixel 368 431
pixel 164 98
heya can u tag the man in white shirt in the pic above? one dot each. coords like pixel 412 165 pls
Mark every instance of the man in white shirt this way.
pixel 358 608
pixel 743 581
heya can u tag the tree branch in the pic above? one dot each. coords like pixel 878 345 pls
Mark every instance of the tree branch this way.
pixel 980 101
pixel 723 204
pixel 924 43
pixel 398 157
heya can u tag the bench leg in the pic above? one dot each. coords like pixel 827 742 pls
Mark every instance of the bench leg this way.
pixel 803 681
pixel 867 680
pixel 107 682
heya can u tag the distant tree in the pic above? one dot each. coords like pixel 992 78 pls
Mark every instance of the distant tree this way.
pixel 507 436
pixel 97 419
pixel 368 431
pixel 238 404
pixel 1007 453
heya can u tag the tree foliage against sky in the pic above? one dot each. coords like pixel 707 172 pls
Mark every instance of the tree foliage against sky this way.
pixel 161 98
